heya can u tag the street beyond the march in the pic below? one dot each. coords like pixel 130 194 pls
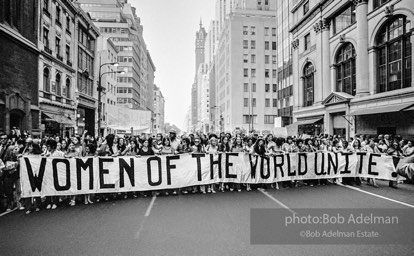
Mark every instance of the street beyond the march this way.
pixel 192 224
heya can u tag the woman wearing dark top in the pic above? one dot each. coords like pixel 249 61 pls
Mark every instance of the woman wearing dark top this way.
pixel 260 150
pixel 146 150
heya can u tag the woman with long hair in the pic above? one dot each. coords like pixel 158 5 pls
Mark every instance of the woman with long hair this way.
pixel 212 148
pixel 198 148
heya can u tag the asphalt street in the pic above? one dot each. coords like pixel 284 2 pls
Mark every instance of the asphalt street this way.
pixel 195 224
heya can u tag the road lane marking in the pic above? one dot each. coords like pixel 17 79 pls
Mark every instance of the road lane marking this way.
pixel 277 201
pixel 147 213
pixel 4 213
pixel 373 194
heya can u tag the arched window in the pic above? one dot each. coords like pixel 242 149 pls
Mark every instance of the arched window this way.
pixel 46 80
pixel 308 82
pixel 345 70
pixel 394 55
pixel 58 85
pixel 68 88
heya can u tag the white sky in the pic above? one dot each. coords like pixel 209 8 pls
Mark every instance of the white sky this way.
pixel 169 32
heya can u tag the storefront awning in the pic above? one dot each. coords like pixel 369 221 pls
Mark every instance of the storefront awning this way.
pixel 59 119
pixel 382 109
pixel 309 121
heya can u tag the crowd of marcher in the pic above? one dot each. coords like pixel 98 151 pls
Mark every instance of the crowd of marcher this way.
pixel 17 144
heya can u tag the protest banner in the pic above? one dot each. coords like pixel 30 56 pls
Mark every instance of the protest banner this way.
pixel 60 176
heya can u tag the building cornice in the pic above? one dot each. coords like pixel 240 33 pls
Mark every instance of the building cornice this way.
pixel 14 35
pixel 310 15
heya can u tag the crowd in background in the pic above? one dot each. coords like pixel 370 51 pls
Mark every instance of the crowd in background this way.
pixel 18 144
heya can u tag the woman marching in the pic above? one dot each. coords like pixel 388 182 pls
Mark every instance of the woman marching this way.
pixel 185 148
pixel 198 148
pixel 212 148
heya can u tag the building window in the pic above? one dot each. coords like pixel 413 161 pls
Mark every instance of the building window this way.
pixel 253 87
pixel 253 58
pixel 269 119
pixel 46 37
pixel 252 30
pixel 267 73
pixel 274 87
pixel 46 80
pixel 68 23
pixel 58 85
pixel 307 42
pixel 266 59
pixel 253 72
pixel 305 7
pixel 267 87
pixel 394 55
pixel 58 12
pixel 253 44
pixel 274 73
pixel 266 31
pixel 274 46
pixel 247 119
pixel 274 59
pixel 246 87
pixel 245 102
pixel 308 81
pixel 378 3
pixel 245 32
pixel 68 88
pixel 246 72
pixel 245 44
pixel 274 103
pixel 57 48
pixel 345 70
pixel 67 52
pixel 267 45
pixel 254 102
pixel 46 4
pixel 344 19
pixel 267 103
pixel 245 58
pixel 273 31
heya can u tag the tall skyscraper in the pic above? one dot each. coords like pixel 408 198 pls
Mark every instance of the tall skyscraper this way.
pixel 200 57
pixel 246 70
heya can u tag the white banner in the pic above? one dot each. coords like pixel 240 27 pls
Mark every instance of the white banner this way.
pixel 58 176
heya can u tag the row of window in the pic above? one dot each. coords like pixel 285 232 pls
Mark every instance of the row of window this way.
pixel 58 87
pixel 253 31
pixel 253 45
pixel 114 30
pixel 253 73
pixel 124 79
pixel 268 119
pixel 57 45
pixel 253 58
pixel 253 103
pixel 394 68
pixel 58 16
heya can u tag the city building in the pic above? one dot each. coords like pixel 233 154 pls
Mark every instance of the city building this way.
pixel 352 67
pixel 117 20
pixel 199 59
pixel 245 74
pixel 159 111
pixel 203 99
pixel 58 67
pixel 107 58
pixel 283 59
pixel 87 75
pixel 19 96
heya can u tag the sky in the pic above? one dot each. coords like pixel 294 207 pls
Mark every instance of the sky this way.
pixel 169 32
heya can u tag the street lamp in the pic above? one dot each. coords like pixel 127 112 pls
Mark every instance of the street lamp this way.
pixel 100 89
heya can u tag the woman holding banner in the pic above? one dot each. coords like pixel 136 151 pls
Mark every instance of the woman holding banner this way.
pixel 185 148
pixel 224 147
pixel 212 148
pixel 198 148
pixel 51 144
